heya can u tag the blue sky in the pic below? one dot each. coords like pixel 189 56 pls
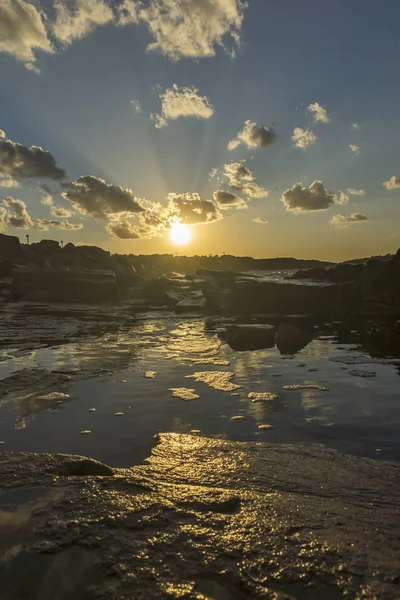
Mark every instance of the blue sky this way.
pixel 341 54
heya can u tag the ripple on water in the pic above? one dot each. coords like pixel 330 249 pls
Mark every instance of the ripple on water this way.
pixel 219 380
pixel 306 386
pixel 183 393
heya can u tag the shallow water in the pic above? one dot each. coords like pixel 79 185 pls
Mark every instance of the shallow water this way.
pixel 120 409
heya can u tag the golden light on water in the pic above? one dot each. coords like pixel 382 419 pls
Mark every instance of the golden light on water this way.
pixel 180 234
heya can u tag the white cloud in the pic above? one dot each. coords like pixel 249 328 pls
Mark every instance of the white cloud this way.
pixel 15 214
pixel 179 102
pixel 241 178
pixel 75 23
pixel 303 199
pixel 252 136
pixel 94 197
pixel 393 183
pixel 56 211
pixel 343 222
pixel 303 138
pixel 355 126
pixel 320 114
pixel 23 31
pixel 8 182
pixel 2 134
pixel 136 106
pixel 191 209
pixel 342 198
pixel 186 28
pixel 354 192
pixel 225 200
pixel 354 148
pixel 260 220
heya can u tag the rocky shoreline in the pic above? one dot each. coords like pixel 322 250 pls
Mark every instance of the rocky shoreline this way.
pixel 201 518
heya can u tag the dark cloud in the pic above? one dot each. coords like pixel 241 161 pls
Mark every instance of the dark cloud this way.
pixel 94 197
pixel 303 199
pixel 19 162
pixel 17 214
pixel 56 224
pixel 226 200
pixel 122 230
pixel 253 136
pixel 241 178
pixel 191 209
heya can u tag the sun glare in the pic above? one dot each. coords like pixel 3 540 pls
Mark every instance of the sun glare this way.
pixel 180 234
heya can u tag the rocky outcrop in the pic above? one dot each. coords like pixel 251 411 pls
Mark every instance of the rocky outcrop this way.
pixel 211 518
pixel 44 285
pixel 10 247
pixel 372 288
pixel 251 336
pixel 290 338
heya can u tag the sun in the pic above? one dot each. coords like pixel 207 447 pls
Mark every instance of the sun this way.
pixel 180 234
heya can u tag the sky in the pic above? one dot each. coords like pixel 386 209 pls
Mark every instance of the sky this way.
pixel 256 128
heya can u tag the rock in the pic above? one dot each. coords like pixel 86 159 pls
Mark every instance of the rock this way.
pixel 87 287
pixel 213 519
pixel 6 267
pixel 290 339
pixel 45 247
pixel 250 337
pixel 82 467
pixel 192 304
pixel 10 247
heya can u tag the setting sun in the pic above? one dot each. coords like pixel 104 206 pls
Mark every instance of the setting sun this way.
pixel 180 234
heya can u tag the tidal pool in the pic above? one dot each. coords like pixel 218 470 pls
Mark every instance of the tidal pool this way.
pixel 117 386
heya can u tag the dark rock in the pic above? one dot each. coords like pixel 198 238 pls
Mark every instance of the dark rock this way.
pixel 192 304
pixel 10 247
pixel 45 247
pixel 291 339
pixel 6 267
pixel 41 285
pixel 81 467
pixel 250 337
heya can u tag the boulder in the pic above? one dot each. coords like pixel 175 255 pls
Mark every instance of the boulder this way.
pixel 250 337
pixel 45 285
pixel 6 267
pixel 195 303
pixel 10 247
pixel 290 339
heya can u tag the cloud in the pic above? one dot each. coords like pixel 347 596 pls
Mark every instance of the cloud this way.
pixel 343 221
pixel 2 134
pixel 342 198
pixel 56 211
pixel 393 183
pixel 354 148
pixel 45 224
pixel 94 197
pixel 75 23
pixel 182 102
pixel 260 220
pixel 303 199
pixel 226 200
pixel 355 126
pixel 122 229
pixel 303 138
pixel 354 192
pixel 47 200
pixel 17 214
pixel 186 28
pixel 253 136
pixel 320 114
pixel 19 162
pixel 136 106
pixel 241 178
pixel 191 209
pixel 22 31
pixel 8 182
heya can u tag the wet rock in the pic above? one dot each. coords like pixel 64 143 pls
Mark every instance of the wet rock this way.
pixel 263 397
pixel 290 339
pixel 360 373
pixel 219 380
pixel 45 285
pixel 250 337
pixel 82 467
pixel 193 304
pixel 224 519
pixel 306 386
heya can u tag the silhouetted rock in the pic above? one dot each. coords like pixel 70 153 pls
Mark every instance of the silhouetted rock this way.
pixel 10 247
pixel 290 339
pixel 250 337
pixel 42 285
pixel 6 267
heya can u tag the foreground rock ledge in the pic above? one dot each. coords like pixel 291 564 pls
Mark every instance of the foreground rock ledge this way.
pixel 210 519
